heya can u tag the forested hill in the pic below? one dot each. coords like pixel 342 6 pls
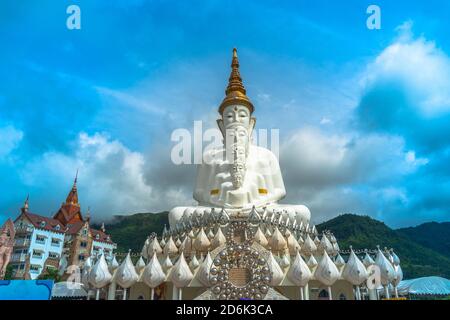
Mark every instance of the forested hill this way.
pixel 417 259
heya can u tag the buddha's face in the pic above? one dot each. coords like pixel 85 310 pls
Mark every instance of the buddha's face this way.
pixel 236 115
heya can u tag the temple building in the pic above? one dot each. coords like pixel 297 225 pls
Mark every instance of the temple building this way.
pixel 42 242
pixel 239 242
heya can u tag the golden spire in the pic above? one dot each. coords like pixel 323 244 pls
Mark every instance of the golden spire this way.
pixel 72 197
pixel 26 204
pixel 235 93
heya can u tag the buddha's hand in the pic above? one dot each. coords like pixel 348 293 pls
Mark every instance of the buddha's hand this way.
pixel 237 198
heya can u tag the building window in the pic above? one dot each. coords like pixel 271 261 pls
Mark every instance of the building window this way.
pixel 81 257
pixel 42 224
pixel 53 255
pixel 55 242
pixel 57 227
pixel 342 297
pixel 85 231
pixel 37 254
pixel 83 244
pixel 34 268
pixel 40 239
pixel 51 268
pixel 97 236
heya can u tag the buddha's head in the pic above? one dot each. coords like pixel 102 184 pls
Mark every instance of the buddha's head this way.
pixel 236 108
pixel 234 116
pixel 236 123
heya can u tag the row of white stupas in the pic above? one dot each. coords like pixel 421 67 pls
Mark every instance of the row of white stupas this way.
pixel 297 255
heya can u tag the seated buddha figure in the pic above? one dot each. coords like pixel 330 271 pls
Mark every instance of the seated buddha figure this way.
pixel 239 175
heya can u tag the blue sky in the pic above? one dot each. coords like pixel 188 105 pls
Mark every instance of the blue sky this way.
pixel 364 115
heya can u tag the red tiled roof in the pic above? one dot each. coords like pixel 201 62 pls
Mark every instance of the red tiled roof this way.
pixel 68 213
pixel 70 210
pixel 50 223
pixel 102 237
pixel 72 197
pixel 73 228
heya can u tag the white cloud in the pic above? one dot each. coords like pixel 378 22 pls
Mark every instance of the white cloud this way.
pixel 10 138
pixel 338 173
pixel 419 64
pixel 392 194
pixel 111 177
pixel 325 121
pixel 263 97
pixel 411 158
pixel 314 158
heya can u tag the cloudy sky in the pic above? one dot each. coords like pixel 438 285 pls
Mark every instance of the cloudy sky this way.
pixel 364 115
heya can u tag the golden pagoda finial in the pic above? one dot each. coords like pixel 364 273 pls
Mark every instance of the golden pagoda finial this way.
pixel 72 197
pixel 235 92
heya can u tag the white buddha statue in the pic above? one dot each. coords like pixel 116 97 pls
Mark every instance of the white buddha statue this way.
pixel 240 175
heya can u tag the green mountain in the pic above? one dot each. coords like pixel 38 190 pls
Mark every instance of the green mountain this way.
pixel 130 232
pixel 419 256
pixel 417 260
pixel 432 235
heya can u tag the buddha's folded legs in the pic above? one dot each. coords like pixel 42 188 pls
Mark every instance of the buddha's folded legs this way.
pixel 299 213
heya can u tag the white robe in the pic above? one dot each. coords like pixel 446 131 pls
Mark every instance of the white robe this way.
pixel 263 182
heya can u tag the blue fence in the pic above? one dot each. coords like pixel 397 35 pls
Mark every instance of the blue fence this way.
pixel 26 289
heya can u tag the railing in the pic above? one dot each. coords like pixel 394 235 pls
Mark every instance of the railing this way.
pixel 22 242
pixel 18 257
pixel 34 270
pixel 40 241
pixel 37 256
pixel 24 229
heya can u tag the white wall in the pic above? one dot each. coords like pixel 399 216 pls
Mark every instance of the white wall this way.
pixel 45 247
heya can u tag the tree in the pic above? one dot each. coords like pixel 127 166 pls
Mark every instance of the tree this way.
pixel 9 272
pixel 50 274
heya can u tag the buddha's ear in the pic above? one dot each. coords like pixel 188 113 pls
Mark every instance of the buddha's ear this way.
pixel 221 126
pixel 252 123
